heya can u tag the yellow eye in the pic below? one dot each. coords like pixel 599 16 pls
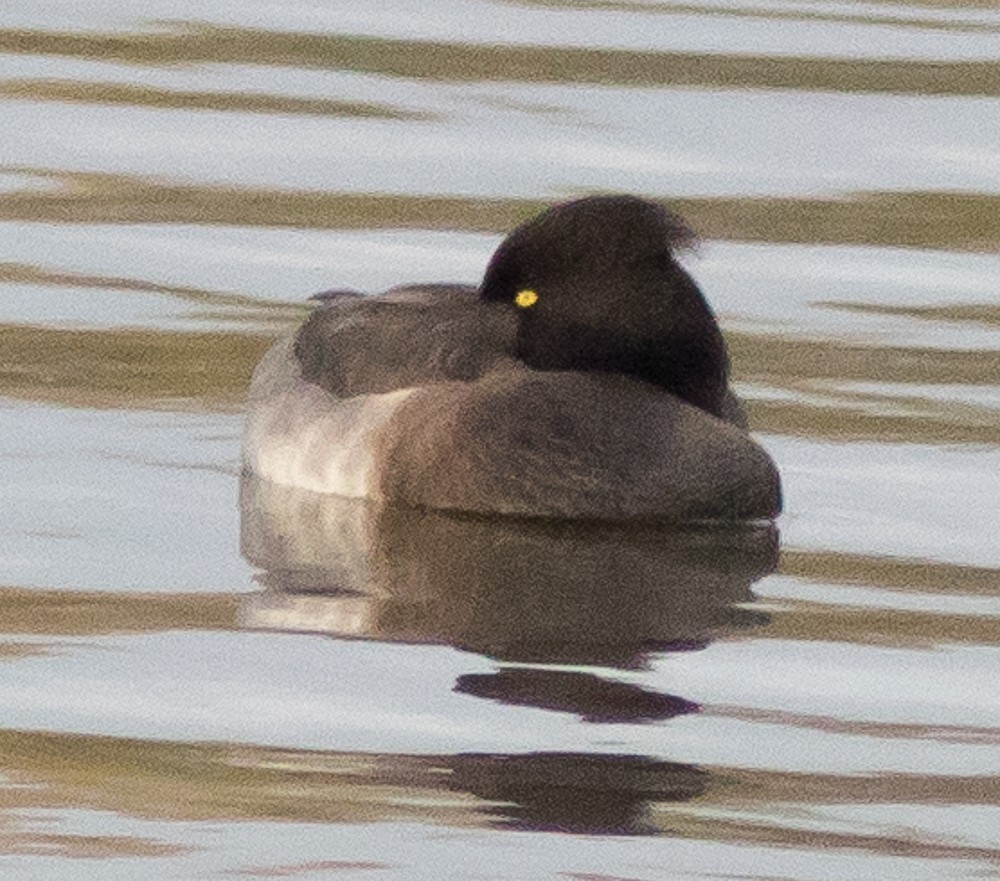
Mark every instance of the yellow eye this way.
pixel 526 298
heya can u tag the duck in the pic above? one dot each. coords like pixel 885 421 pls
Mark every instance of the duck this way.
pixel 585 378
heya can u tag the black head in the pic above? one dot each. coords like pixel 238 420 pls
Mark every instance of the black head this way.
pixel 597 287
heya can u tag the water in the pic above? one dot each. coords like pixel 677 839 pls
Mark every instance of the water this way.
pixel 375 694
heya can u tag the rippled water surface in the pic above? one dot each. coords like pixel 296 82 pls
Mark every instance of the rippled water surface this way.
pixel 203 679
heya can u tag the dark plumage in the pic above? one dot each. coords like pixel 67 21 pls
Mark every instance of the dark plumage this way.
pixel 587 377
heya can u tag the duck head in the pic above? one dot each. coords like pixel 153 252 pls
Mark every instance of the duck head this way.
pixel 595 286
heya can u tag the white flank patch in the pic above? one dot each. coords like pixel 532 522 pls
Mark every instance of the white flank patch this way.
pixel 300 435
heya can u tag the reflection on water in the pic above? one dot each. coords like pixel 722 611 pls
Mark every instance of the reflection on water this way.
pixel 522 591
pixel 579 793
pixel 528 592
pixel 411 695
pixel 593 699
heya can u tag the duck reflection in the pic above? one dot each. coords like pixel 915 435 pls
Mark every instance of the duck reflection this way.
pixel 521 592
pixel 515 590
pixel 573 792
pixel 592 698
